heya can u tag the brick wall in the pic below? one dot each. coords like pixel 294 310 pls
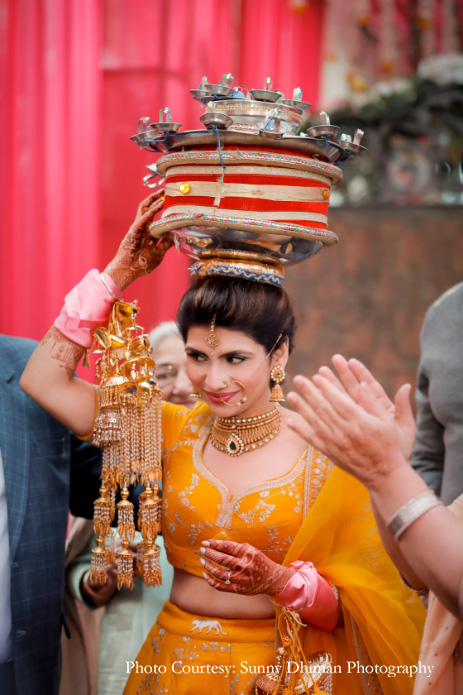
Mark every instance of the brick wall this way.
pixel 367 296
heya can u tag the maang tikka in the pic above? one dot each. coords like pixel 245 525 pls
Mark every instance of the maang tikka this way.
pixel 212 341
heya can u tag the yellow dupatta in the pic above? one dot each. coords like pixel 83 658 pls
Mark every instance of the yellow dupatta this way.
pixel 383 620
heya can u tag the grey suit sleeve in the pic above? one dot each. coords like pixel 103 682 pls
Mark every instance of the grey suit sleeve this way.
pixel 429 450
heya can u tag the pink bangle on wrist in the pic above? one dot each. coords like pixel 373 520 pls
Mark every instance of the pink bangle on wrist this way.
pixel 87 306
pixel 311 595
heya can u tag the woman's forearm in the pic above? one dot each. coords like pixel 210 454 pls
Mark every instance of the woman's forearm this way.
pixel 49 375
pixel 49 379
pixel 430 550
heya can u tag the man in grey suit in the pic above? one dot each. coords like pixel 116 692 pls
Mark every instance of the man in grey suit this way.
pixel 438 451
pixel 44 472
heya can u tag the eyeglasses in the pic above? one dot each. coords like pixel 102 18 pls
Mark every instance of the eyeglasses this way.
pixel 166 374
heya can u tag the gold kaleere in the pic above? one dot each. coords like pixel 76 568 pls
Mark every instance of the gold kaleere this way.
pixel 125 523
pixel 98 562
pixel 128 428
pixel 149 514
pixel 102 512
pixel 124 564
pixel 151 570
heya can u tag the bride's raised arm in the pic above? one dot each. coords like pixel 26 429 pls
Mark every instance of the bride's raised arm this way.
pixel 49 375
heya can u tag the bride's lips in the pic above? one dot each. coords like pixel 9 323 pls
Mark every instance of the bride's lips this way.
pixel 220 397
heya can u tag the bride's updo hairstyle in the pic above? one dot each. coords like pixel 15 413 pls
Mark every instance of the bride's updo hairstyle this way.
pixel 260 310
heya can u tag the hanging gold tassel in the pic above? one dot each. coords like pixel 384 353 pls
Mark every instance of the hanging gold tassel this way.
pixel 124 563
pixel 102 514
pixel 151 566
pixel 128 428
pixel 98 563
pixel 125 524
pixel 149 513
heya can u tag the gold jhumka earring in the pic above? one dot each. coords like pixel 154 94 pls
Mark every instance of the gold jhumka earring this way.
pixel 278 375
pixel 128 428
pixel 195 393
pixel 212 341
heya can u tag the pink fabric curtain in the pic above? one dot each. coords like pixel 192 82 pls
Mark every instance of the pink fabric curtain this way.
pixel 50 120
pixel 76 77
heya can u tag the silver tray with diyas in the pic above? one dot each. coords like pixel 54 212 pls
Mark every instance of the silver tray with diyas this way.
pixel 271 127
pixel 197 138
pixel 353 147
pixel 145 134
pixel 165 124
pixel 200 93
pixel 251 116
pixel 216 119
pixel 296 101
pixel 247 184
pixel 265 94
pixel 223 89
pixel 325 130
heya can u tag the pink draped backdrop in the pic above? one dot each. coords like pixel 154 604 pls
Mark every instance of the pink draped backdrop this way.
pixel 76 76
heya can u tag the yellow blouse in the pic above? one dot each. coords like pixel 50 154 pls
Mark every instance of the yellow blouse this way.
pixel 197 505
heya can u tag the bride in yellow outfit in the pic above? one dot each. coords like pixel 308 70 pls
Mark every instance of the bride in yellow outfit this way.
pixel 253 519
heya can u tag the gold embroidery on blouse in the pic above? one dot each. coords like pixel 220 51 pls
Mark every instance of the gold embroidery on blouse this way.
pixel 229 503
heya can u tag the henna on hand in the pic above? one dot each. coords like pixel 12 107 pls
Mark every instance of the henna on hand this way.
pixel 64 351
pixel 249 570
pixel 139 252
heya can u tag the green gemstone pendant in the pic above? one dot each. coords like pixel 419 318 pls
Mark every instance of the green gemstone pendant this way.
pixel 234 445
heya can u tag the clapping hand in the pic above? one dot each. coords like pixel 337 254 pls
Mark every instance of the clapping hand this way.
pixel 352 420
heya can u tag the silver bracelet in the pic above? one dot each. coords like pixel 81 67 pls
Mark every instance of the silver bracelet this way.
pixel 108 288
pixel 410 512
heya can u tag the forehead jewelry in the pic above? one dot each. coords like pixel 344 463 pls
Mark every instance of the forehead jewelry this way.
pixel 212 341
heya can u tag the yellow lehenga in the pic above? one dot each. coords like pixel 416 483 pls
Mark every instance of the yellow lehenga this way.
pixel 312 513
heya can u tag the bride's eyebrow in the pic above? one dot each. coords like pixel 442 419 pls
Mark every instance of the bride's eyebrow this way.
pixel 236 353
pixel 191 350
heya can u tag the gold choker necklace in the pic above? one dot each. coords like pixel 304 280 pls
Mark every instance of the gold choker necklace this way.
pixel 236 435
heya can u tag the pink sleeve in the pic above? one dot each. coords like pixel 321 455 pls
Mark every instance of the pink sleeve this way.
pixel 311 595
pixel 87 306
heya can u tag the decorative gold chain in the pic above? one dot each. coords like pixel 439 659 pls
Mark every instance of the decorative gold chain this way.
pixel 236 435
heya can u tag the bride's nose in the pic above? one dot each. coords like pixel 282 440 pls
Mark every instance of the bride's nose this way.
pixel 217 378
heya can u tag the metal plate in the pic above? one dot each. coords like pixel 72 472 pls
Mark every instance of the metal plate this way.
pixel 194 138
pixel 289 250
